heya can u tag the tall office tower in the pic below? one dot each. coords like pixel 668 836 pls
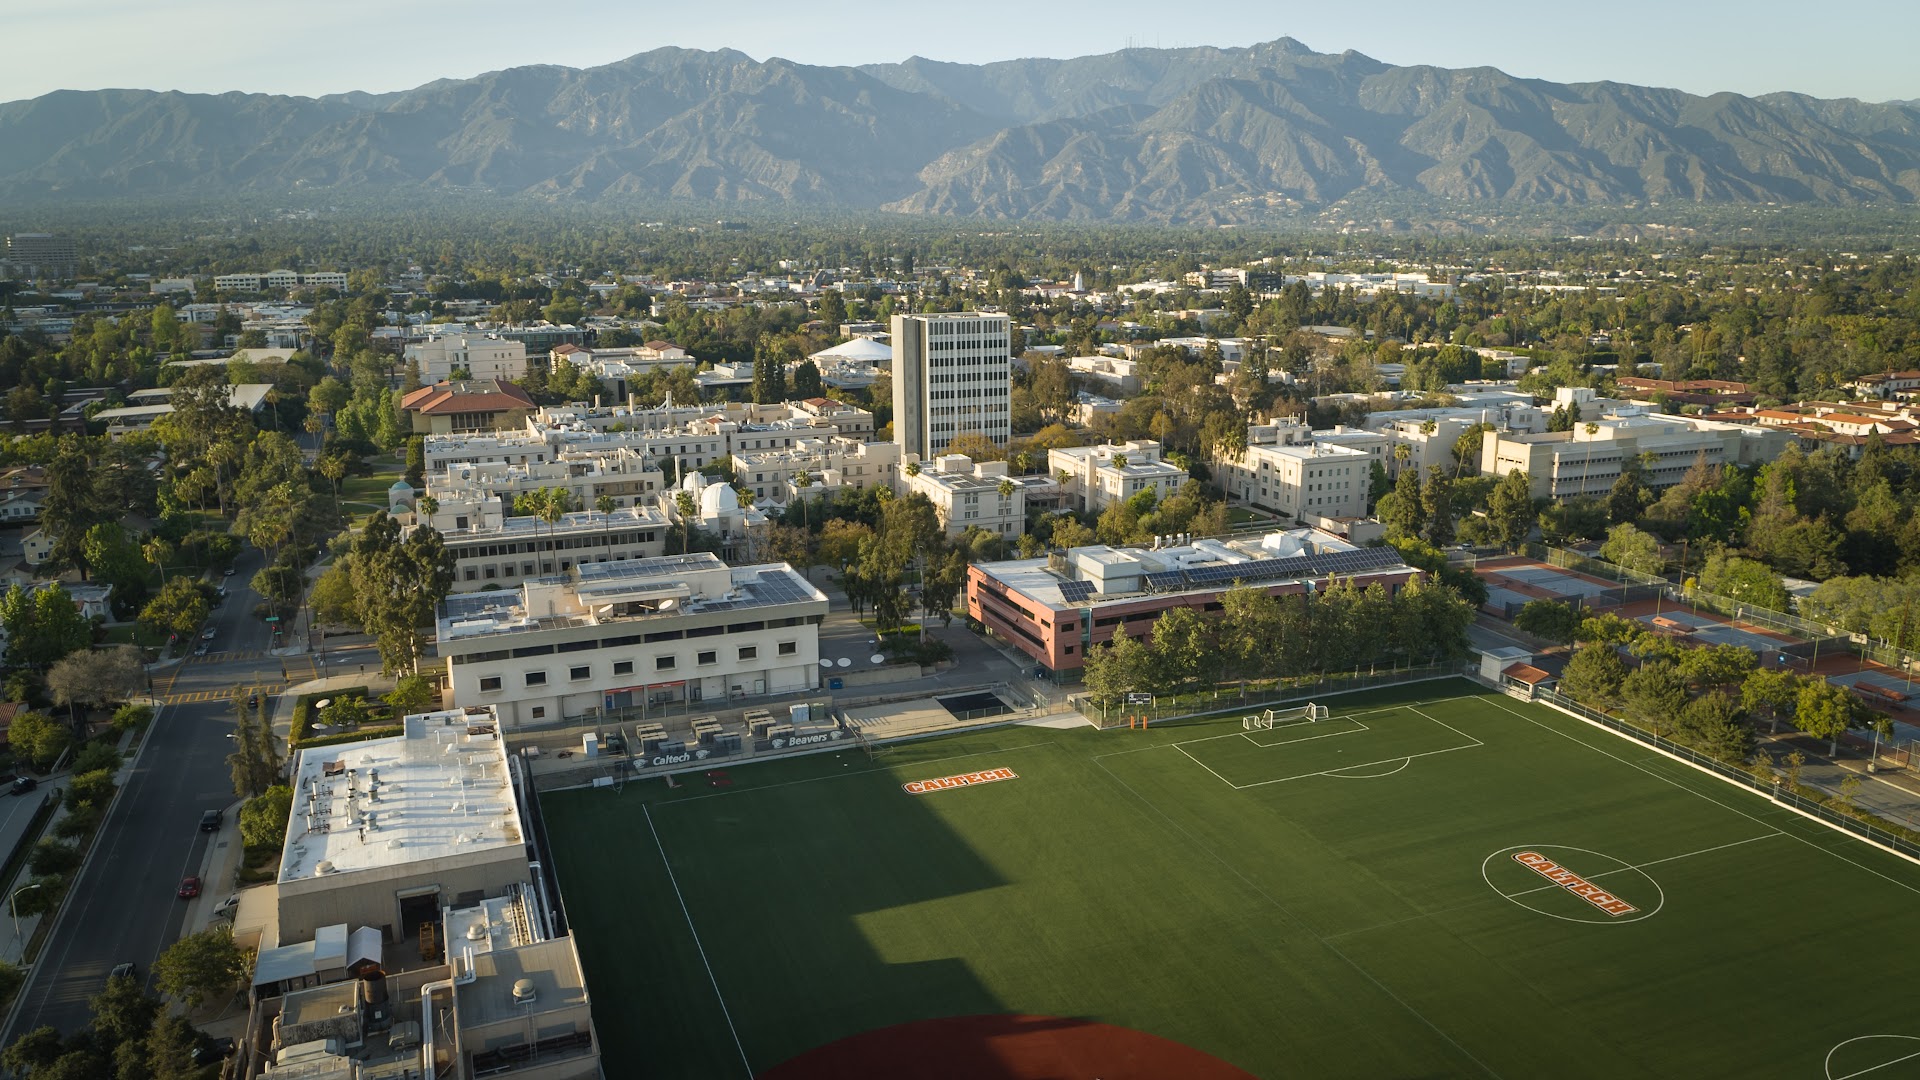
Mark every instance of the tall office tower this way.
pixel 42 255
pixel 951 375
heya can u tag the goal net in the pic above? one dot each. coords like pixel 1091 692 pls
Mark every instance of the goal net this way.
pixel 1298 714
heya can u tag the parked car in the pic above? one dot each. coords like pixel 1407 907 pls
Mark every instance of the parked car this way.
pixel 228 572
pixel 189 887
pixel 208 634
pixel 209 1050
pixel 24 784
pixel 253 701
pixel 210 821
pixel 201 651
pixel 226 908
pixel 124 971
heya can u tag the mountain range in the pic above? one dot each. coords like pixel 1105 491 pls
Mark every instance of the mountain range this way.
pixel 1200 135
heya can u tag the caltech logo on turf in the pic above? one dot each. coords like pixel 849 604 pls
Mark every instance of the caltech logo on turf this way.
pixel 921 787
pixel 1573 883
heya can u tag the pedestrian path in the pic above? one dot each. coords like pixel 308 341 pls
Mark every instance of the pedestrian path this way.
pixel 188 697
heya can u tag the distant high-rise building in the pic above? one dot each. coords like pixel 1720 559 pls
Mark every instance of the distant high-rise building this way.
pixel 42 255
pixel 951 375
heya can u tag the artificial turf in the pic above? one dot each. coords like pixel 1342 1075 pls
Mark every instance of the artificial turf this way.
pixel 1336 900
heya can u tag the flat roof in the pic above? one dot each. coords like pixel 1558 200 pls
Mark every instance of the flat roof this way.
pixel 440 789
pixel 688 581
pixel 550 966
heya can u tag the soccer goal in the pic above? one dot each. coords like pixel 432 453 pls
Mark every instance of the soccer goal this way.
pixel 1270 718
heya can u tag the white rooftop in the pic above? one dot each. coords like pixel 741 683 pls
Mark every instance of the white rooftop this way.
pixel 438 790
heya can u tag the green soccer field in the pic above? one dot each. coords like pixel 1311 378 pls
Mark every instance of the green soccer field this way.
pixel 1432 882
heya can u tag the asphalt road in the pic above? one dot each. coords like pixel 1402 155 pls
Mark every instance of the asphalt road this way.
pixel 124 907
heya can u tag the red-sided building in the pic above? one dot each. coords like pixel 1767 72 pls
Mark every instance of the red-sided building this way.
pixel 1055 608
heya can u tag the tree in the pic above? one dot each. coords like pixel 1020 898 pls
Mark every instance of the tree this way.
pixel 685 508
pixel 1183 649
pixel 1770 691
pixel 1068 532
pixel 1593 675
pixel 263 818
pixel 96 677
pixel 1717 665
pixel 1436 501
pixel 1745 580
pixel 200 966
pixel 1510 513
pixel 38 739
pixel 1117 668
pixel 169 1049
pixel 333 597
pixel 412 694
pixel 1654 694
pixel 254 763
pixel 1249 627
pixel 1826 711
pixel 1609 628
pixel 399 583
pixel 1629 547
pixel 123 1013
pixel 1401 509
pixel 42 626
pixel 1549 619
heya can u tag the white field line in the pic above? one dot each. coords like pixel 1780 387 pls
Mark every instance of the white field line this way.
pixel 1248 735
pixel 672 880
pixel 1644 865
pixel 1223 718
pixel 1202 764
pixel 1346 768
pixel 836 776
pixel 1703 795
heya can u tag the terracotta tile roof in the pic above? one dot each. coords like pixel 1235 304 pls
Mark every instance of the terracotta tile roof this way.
pixel 660 346
pixel 1526 673
pixel 567 349
pixel 469 396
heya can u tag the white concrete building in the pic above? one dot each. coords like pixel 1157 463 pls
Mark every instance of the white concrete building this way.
pixel 830 463
pixel 1588 459
pixel 631 637
pixel 951 376
pixel 385 833
pixel 966 493
pixel 440 357
pixel 1098 476
pixel 1314 480
pixel 629 477
pixel 493 549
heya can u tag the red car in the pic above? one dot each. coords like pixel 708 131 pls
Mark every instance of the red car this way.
pixel 189 887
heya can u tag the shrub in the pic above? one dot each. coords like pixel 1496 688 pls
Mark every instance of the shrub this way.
pixel 53 859
pixel 132 717
pixel 95 756
pixel 79 823
pixel 94 787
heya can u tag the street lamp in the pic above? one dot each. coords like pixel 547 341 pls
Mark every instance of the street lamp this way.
pixel 14 911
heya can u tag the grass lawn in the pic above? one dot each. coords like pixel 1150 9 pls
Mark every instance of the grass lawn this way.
pixel 134 633
pixel 1240 515
pixel 1433 882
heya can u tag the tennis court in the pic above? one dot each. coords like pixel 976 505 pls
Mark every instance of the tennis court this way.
pixel 1713 632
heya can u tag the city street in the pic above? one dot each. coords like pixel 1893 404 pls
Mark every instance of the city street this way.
pixel 123 906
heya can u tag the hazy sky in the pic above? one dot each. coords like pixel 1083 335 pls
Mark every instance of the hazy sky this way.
pixel 1856 49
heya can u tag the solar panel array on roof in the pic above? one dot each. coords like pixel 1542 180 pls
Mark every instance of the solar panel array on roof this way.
pixel 1074 592
pixel 1220 574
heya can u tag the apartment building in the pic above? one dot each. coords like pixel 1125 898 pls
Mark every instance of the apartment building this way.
pixel 632 638
pixel 279 279
pixel 951 376
pixel 1056 608
pixel 467 356
pixel 1096 477
pixel 42 255
pixel 1588 459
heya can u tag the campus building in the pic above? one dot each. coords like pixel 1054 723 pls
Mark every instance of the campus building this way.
pixel 468 356
pixel 1305 481
pixel 951 376
pixel 641 635
pixel 1588 459
pixel 831 464
pixel 968 494
pixel 1055 608
pixel 1096 477
pixel 629 477
pixel 384 833
pixel 493 549
pixel 468 405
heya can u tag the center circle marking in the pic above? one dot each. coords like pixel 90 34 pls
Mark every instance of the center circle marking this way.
pixel 1542 897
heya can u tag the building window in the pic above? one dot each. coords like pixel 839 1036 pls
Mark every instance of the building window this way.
pixel 749 652
pixel 536 678
pixel 490 684
pixel 709 657
pixel 539 712
pixel 579 673
pixel 663 663
pixel 623 667
pixel 789 648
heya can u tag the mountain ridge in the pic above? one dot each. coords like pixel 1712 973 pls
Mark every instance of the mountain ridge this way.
pixel 1200 135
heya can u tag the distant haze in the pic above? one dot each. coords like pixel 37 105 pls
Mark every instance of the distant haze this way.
pixel 1860 49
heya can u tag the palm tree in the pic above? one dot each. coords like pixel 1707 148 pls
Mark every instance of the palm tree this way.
pixel 1119 461
pixel 1401 454
pixel 684 505
pixel 803 480
pixel 334 468
pixel 605 505
pixel 429 506
pixel 553 503
pixel 912 469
